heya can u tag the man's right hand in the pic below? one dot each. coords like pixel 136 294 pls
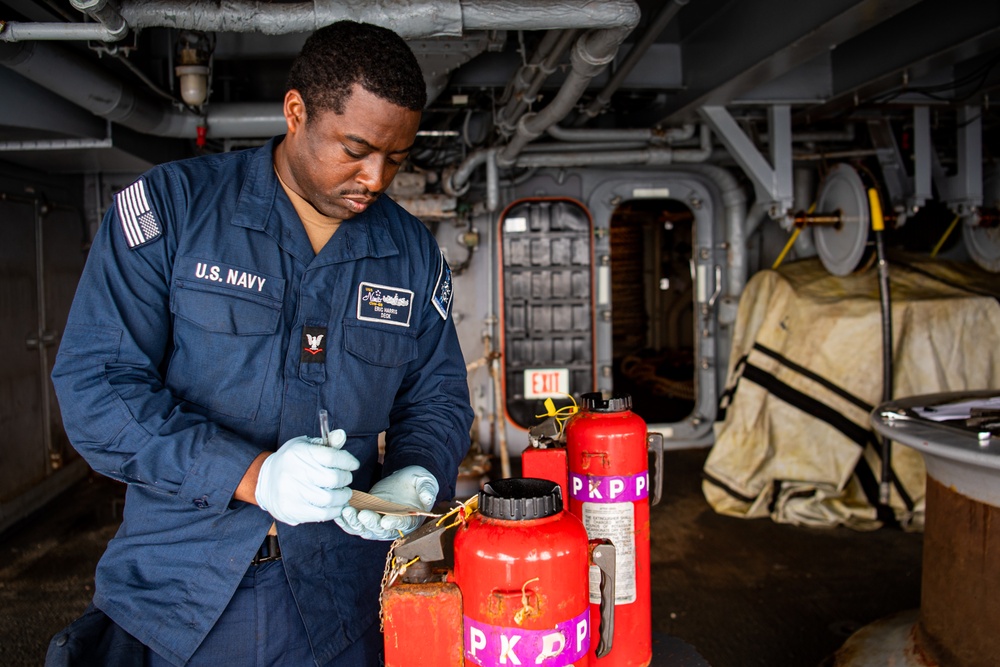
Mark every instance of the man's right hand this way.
pixel 305 482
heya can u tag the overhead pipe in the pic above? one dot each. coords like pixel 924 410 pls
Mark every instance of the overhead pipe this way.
pixel 647 156
pixel 649 135
pixel 565 147
pixel 525 74
pixel 94 89
pixel 408 18
pixel 591 54
pixel 529 79
pixel 18 31
pixel 457 183
pixel 411 19
pixel 99 92
pixel 105 14
pixel 603 99
pixel 247 120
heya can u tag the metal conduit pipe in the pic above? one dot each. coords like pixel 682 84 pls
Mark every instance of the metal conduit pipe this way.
pixel 669 136
pixel 492 181
pixel 591 54
pixel 417 19
pixel 666 15
pixel 584 146
pixel 648 156
pixel 94 89
pixel 90 87
pixel 549 14
pixel 642 156
pixel 525 75
pixel 104 96
pixel 409 18
pixel 105 14
pixel 250 120
pixel 457 183
pixel 522 97
pixel 15 31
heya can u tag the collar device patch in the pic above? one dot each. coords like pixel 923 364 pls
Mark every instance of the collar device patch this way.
pixel 313 345
pixel 381 303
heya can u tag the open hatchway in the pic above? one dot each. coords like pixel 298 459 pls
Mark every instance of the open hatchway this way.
pixel 664 274
pixel 652 307
pixel 616 281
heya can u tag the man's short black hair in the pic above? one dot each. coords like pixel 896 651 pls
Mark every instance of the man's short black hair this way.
pixel 341 54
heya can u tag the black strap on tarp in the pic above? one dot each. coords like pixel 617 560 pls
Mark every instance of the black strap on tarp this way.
pixel 859 435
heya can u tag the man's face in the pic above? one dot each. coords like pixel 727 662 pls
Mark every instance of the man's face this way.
pixel 341 163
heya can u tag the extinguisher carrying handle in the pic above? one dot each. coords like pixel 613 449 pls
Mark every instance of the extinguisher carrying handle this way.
pixel 602 554
pixel 655 441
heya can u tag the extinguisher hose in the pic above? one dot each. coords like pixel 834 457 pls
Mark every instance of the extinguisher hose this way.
pixel 878 225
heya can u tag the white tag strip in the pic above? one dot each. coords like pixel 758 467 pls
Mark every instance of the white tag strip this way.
pixel 366 501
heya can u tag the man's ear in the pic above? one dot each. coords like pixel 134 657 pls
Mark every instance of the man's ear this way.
pixel 294 110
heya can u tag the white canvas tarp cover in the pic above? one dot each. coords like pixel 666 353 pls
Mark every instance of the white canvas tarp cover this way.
pixel 794 441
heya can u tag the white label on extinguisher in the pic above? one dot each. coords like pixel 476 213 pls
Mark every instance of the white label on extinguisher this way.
pixel 616 522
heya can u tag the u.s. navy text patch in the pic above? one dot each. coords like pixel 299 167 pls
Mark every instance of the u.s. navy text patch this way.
pixel 136 215
pixel 380 303
pixel 443 289
pixel 313 345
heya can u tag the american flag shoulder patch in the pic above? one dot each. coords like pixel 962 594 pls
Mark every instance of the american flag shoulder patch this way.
pixel 136 216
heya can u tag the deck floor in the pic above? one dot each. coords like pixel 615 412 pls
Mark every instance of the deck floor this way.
pixel 742 593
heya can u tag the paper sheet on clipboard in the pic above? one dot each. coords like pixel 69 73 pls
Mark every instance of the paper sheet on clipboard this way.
pixel 366 501
pixel 959 409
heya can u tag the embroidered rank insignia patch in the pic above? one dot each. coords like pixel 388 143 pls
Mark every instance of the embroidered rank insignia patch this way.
pixel 388 305
pixel 443 290
pixel 313 345
pixel 136 215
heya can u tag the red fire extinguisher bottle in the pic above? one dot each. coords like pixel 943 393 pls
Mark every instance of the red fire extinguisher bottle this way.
pixel 522 566
pixel 609 487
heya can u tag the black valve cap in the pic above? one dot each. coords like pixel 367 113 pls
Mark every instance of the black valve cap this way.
pixel 595 402
pixel 520 499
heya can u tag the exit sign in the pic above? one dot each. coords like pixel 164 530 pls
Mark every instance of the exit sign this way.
pixel 546 382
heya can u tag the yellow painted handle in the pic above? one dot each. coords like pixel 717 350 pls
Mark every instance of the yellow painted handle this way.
pixel 878 222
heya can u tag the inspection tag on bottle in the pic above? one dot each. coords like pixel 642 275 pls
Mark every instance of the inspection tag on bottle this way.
pixel 366 501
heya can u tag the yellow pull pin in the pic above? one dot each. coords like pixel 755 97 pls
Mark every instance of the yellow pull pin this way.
pixel 878 222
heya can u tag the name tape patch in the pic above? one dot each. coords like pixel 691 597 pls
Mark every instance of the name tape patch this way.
pixel 136 216
pixel 381 303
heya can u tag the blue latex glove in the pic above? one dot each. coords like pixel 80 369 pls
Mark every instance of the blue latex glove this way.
pixel 412 486
pixel 306 481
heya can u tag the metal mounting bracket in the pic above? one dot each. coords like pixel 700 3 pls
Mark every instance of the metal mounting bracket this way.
pixel 908 194
pixel 772 180
pixel 963 192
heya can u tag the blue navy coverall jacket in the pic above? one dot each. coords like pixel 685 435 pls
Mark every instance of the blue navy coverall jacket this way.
pixel 205 330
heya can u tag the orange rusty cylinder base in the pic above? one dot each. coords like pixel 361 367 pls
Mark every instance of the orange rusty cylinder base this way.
pixel 960 587
pixel 423 625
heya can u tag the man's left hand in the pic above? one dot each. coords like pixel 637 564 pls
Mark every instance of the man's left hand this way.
pixel 413 486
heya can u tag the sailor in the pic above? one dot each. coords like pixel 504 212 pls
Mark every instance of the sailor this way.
pixel 227 299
